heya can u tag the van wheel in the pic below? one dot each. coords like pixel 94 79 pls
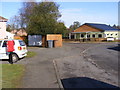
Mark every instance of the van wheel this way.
pixel 13 58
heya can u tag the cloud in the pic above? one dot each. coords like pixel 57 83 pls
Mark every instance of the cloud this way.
pixel 71 10
pixel 74 14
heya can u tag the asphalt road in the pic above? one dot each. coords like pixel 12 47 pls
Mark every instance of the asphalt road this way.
pixel 79 64
pixel 40 72
pixel 106 56
pixel 95 67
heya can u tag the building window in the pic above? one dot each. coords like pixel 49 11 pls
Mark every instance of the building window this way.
pixel 88 36
pixel 93 35
pixel 116 34
pixel 5 44
pixel 82 35
pixel 111 34
pixel 6 37
pixel 99 35
pixel 72 36
pixel 107 34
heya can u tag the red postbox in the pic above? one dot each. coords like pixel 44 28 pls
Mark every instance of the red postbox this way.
pixel 10 46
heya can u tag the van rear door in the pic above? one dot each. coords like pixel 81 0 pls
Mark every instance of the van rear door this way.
pixel 22 46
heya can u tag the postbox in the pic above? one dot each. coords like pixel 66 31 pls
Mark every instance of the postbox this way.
pixel 10 46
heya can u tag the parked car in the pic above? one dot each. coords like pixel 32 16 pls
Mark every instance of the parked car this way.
pixel 110 39
pixel 20 50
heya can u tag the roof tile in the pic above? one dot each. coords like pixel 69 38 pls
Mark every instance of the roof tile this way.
pixel 101 26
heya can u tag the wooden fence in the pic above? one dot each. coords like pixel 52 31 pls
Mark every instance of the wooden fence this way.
pixel 57 38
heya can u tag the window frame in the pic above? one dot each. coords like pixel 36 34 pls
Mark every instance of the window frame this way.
pixel 4 44
pixel 22 43
pixel 99 36
pixel 82 35
pixel 93 35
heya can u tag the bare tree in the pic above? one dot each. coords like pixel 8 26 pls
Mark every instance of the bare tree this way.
pixel 26 11
pixel 14 22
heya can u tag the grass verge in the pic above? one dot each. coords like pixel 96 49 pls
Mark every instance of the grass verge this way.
pixel 12 75
pixel 0 76
pixel 31 54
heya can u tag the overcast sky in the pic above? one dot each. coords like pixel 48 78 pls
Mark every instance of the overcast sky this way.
pixel 84 12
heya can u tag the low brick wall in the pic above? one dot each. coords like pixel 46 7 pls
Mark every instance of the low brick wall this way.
pixel 84 40
pixel 100 39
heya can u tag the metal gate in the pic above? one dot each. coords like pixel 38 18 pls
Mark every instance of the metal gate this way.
pixel 35 40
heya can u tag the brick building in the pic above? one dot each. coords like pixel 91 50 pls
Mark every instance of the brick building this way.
pixel 3 27
pixel 93 30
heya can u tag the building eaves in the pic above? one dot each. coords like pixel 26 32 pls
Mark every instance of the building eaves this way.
pixel 2 19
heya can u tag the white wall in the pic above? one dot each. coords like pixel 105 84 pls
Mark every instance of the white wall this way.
pixel 2 30
pixel 9 35
pixel 114 34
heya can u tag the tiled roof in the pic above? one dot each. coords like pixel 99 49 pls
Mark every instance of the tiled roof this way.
pixel 101 26
pixel 3 19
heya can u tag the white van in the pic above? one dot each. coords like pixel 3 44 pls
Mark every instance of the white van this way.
pixel 110 39
pixel 20 50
